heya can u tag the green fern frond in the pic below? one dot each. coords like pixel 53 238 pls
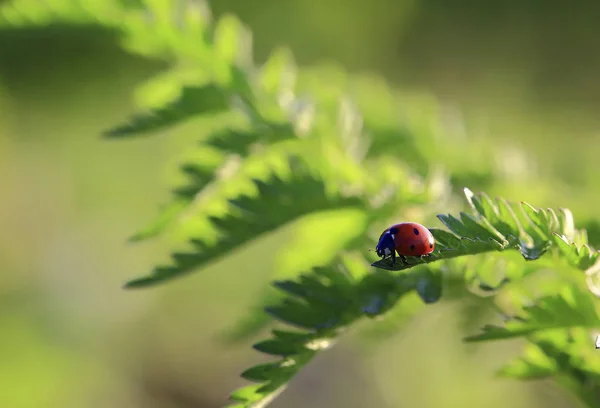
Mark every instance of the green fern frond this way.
pixel 572 307
pixel 228 81
pixel 177 31
pixel 295 196
pixel 322 304
pixel 558 352
pixel 193 102
pixel 225 148
pixel 580 256
pixel 568 356
pixel 242 142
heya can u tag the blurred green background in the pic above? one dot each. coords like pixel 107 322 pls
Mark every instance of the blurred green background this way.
pixel 522 76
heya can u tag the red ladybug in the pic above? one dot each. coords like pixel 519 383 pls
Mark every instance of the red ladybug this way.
pixel 407 239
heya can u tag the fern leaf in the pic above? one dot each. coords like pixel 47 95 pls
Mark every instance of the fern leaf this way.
pixel 299 195
pixel 567 356
pixel 242 142
pixel 192 102
pixel 321 303
pixel 223 59
pixel 172 30
pixel 571 307
pixel 579 256
pixel 225 147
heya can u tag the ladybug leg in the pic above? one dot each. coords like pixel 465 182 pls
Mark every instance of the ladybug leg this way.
pixel 402 259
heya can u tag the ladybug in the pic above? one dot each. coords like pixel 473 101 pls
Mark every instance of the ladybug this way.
pixel 407 239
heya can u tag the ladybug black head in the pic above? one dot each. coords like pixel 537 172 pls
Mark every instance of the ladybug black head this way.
pixel 386 245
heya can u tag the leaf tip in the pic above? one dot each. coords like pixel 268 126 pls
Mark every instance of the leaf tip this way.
pixel 139 283
pixel 114 133
pixel 129 285
pixel 472 338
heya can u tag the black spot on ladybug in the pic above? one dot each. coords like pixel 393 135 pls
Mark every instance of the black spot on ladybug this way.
pixel 430 245
pixel 412 247
pixel 394 230
pixel 416 231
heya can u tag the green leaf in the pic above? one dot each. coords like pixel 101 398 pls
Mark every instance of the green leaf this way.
pixel 248 393
pixel 488 212
pixel 295 196
pixel 567 355
pixel 316 305
pixel 567 224
pixel 193 101
pixel 303 315
pixel 279 347
pixel 264 372
pixel 278 74
pixel 228 39
pixel 580 257
pixel 242 142
pixel 571 307
pixel 200 174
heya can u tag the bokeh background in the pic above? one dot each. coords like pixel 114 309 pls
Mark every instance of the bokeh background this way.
pixel 522 77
